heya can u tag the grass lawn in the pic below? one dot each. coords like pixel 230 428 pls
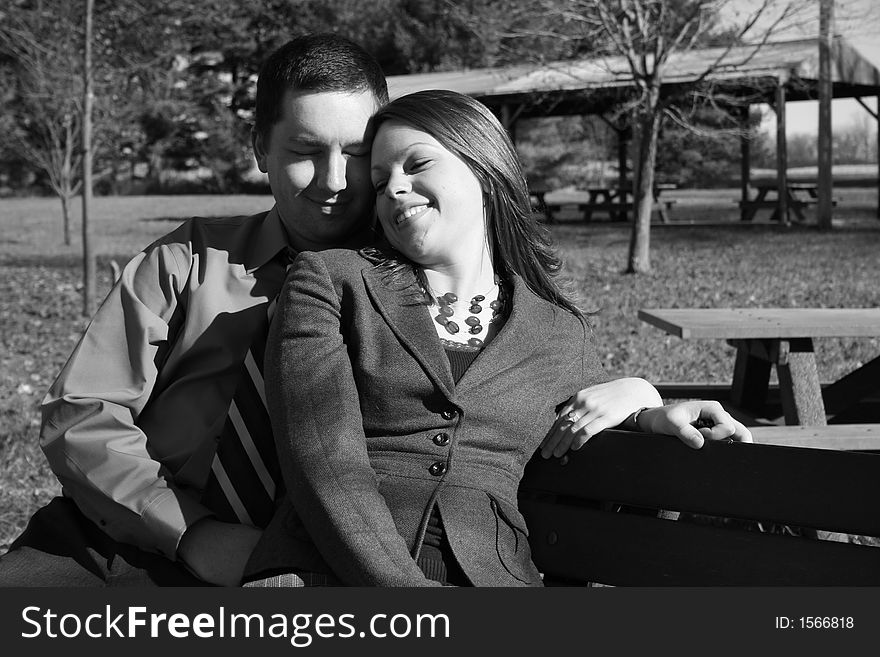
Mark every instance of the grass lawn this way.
pixel 695 263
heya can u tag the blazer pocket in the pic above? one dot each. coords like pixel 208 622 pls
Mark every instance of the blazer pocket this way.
pixel 512 541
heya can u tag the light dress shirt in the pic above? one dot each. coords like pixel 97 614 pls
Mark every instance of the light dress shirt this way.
pixel 130 425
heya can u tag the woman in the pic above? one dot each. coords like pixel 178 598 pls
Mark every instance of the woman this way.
pixel 410 383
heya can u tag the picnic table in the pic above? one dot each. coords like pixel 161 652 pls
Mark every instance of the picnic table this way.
pixel 614 200
pixel 782 337
pixel 799 196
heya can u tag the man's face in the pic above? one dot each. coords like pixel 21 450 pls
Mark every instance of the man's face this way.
pixel 318 160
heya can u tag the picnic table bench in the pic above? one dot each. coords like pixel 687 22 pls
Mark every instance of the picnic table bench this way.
pixel 799 196
pixel 588 523
pixel 780 338
pixel 615 201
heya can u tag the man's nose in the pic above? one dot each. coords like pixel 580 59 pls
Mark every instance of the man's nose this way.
pixel 332 176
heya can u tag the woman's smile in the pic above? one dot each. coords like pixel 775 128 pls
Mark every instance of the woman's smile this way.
pixel 411 212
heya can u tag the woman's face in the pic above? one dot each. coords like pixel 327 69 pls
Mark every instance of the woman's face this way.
pixel 428 200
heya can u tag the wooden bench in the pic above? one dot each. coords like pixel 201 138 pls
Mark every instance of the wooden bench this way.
pixel 799 196
pixel 615 210
pixel 580 534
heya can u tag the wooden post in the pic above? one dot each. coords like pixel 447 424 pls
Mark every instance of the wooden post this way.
pixel 745 169
pixel 876 116
pixel 751 378
pixel 826 91
pixel 781 155
pixel 799 386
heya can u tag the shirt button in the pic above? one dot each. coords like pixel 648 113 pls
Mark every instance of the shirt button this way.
pixel 448 414
pixel 438 468
pixel 441 439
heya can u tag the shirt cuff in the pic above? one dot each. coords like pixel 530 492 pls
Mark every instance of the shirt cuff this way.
pixel 168 517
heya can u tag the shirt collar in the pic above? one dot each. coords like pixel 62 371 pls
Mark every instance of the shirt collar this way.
pixel 271 240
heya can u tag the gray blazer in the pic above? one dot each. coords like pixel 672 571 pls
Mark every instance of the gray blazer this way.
pixel 372 431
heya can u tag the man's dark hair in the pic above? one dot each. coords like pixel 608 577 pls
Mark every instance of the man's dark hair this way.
pixel 315 62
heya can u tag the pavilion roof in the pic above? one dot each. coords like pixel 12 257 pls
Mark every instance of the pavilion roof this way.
pixel 855 72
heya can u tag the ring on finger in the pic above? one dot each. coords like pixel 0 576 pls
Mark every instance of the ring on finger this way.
pixel 572 417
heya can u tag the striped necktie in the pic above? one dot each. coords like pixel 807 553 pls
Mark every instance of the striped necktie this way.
pixel 245 475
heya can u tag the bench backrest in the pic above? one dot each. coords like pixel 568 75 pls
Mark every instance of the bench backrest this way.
pixel 578 534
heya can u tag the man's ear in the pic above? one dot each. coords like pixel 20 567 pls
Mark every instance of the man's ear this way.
pixel 259 150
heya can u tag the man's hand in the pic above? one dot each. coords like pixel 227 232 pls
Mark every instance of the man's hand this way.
pixel 217 552
pixel 694 422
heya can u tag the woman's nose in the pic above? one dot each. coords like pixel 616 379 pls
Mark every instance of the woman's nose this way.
pixel 397 184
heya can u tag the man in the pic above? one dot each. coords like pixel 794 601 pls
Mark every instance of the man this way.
pixel 136 425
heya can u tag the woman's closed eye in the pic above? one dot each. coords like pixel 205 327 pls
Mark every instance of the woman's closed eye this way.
pixel 411 167
pixel 420 164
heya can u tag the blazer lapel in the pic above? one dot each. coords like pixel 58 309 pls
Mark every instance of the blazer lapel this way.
pixel 411 323
pixel 528 323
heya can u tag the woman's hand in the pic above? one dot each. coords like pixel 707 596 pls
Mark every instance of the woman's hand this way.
pixel 694 422
pixel 595 409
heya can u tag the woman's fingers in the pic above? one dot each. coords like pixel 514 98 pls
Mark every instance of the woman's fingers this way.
pixel 586 428
pixel 570 431
pixel 556 435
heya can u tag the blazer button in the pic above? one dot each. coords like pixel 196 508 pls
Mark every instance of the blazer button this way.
pixel 449 414
pixel 437 469
pixel 441 439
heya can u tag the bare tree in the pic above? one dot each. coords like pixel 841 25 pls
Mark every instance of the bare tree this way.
pixel 646 34
pixel 46 108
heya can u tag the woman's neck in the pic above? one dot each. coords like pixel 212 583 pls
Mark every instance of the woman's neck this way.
pixel 463 279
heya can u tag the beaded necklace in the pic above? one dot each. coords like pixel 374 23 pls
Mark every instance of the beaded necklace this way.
pixel 446 313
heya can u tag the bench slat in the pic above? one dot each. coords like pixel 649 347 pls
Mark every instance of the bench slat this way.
pixel 590 545
pixel 849 437
pixel 823 489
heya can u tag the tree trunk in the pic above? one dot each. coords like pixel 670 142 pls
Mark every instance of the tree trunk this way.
pixel 65 216
pixel 643 185
pixel 89 284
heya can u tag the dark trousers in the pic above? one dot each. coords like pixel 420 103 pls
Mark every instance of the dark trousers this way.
pixel 61 547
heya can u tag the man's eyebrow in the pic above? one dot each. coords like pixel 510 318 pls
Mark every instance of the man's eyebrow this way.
pixel 320 143
pixel 305 140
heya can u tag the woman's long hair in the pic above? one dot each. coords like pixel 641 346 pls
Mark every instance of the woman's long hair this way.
pixel 466 128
